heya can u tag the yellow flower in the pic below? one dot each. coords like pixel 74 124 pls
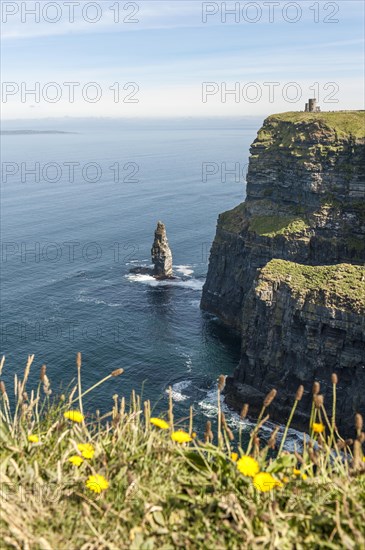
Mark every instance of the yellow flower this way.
pixel 317 427
pixel 234 457
pixel 160 423
pixel 181 437
pixel 86 449
pixel 75 416
pixel 248 466
pixel 76 460
pixel 97 483
pixel 265 482
pixel 299 473
pixel 363 458
pixel 32 438
pixel 285 479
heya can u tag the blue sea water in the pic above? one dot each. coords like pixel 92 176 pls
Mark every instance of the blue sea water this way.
pixel 68 246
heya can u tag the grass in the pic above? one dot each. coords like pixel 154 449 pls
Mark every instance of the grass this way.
pixel 344 282
pixel 233 220
pixel 158 493
pixel 344 123
pixel 271 226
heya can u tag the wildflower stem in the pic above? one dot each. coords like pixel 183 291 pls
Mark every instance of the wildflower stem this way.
pixel 78 363
pixel 191 420
pixel 91 389
pixel 333 419
pixel 255 430
pixel 219 418
pixel 282 442
pixel 171 410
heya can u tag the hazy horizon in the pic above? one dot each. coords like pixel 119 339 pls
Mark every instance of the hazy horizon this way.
pixel 191 58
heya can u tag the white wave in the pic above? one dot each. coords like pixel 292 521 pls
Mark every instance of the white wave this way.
pixel 184 270
pixel 133 262
pixel 195 303
pixel 176 390
pixel 193 284
pixel 189 365
pixel 144 279
pixel 92 300
pixel 209 407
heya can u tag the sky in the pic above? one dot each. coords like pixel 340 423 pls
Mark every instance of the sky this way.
pixel 179 57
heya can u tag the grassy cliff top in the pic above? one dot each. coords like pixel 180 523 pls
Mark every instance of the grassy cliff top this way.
pixel 128 481
pixel 342 284
pixel 345 123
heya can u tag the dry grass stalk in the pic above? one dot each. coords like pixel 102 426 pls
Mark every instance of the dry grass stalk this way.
pixel 221 382
pixel 117 372
pixel 357 453
pixel 244 411
pixel 270 398
pixel 359 423
pixel 299 393
pixel 2 362
pixel 170 412
pixel 191 420
pixel 318 401
pixel 273 437
pixel 208 435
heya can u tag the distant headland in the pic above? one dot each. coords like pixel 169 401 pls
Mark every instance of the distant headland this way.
pixel 32 132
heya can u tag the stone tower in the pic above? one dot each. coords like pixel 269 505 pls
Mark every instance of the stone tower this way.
pixel 312 105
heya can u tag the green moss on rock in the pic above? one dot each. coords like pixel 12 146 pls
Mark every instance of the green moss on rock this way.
pixel 356 244
pixel 341 285
pixel 344 123
pixel 233 220
pixel 271 226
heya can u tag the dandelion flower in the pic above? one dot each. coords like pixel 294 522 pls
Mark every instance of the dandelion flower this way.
pixel 363 458
pixel 76 460
pixel 296 472
pixel 75 416
pixel 97 483
pixel 304 477
pixel 86 449
pixel 317 427
pixel 234 457
pixel 181 437
pixel 162 424
pixel 264 481
pixel 32 438
pixel 248 466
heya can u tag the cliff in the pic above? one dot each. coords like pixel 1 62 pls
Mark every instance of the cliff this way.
pixel 305 206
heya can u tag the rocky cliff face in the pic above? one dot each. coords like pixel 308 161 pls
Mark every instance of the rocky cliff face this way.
pixel 305 205
pixel 161 254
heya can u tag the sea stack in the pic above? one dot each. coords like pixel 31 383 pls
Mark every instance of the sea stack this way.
pixel 161 254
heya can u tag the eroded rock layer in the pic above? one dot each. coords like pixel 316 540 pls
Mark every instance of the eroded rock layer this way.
pixel 305 205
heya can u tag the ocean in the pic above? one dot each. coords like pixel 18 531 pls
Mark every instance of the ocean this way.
pixel 79 209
